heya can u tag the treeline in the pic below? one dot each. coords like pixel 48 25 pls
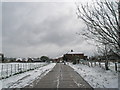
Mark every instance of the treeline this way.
pixel 29 59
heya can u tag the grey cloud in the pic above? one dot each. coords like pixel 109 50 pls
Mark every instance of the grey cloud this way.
pixel 39 26
pixel 0 27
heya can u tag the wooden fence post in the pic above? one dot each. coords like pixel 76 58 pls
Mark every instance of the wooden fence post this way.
pixel 115 66
pixel 18 68
pixel 7 71
pixel 88 64
pixel 95 63
pixel 91 64
pixel 22 67
pixel 2 72
pixel 11 70
pixel 100 64
pixel 15 68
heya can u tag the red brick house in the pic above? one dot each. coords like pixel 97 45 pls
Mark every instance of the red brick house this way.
pixel 71 56
pixel 58 59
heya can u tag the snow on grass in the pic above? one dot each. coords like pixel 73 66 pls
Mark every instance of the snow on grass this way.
pixel 10 69
pixel 24 79
pixel 96 76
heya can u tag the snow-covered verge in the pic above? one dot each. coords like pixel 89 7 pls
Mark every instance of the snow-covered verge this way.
pixel 10 69
pixel 96 76
pixel 24 79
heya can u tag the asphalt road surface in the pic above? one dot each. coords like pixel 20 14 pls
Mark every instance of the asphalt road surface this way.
pixel 61 76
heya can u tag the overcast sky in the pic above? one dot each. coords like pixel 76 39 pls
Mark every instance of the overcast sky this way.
pixel 33 29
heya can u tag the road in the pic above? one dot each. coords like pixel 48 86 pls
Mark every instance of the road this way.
pixel 61 76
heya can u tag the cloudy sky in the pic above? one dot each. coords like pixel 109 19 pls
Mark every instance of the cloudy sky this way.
pixel 33 29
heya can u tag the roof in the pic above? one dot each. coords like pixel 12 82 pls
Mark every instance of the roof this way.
pixel 58 57
pixel 74 53
pixel 19 59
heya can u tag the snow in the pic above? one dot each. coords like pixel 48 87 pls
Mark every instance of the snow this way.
pixel 111 65
pixel 74 53
pixel 27 78
pixel 9 69
pixel 97 77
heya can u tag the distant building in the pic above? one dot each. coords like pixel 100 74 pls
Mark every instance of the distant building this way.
pixel 71 56
pixel 24 59
pixel 30 59
pixel 58 59
pixel 36 60
pixel 19 60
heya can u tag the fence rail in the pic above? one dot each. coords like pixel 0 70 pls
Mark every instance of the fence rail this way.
pixel 114 66
pixel 10 69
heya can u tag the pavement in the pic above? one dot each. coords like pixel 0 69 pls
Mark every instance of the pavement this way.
pixel 61 76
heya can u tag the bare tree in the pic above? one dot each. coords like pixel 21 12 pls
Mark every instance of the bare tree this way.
pixel 102 21
pixel 103 53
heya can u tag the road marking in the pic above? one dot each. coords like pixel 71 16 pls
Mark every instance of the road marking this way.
pixel 58 78
pixel 61 75
pixel 58 82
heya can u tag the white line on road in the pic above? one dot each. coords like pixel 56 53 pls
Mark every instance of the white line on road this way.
pixel 58 81
pixel 58 78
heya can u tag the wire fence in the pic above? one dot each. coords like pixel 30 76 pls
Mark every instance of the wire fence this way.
pixel 10 69
pixel 114 66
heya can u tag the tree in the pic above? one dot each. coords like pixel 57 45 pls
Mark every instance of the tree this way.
pixel 44 59
pixel 102 21
pixel 1 57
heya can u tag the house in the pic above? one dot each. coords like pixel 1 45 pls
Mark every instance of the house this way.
pixel 24 59
pixel 37 60
pixel 30 59
pixel 58 59
pixel 71 56
pixel 74 56
pixel 19 59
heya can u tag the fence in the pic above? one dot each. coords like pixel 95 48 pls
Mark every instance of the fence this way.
pixel 114 66
pixel 10 69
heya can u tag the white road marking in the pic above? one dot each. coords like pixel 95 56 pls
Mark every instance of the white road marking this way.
pixel 58 78
pixel 58 81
